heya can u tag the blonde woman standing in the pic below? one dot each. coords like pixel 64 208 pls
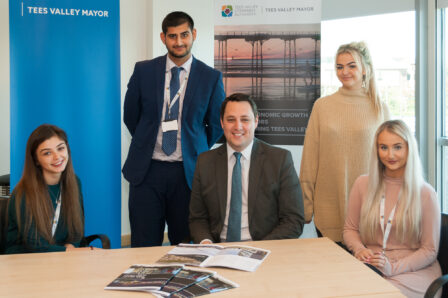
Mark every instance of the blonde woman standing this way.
pixel 393 217
pixel 338 140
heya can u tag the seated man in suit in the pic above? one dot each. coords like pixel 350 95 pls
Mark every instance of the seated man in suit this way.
pixel 245 189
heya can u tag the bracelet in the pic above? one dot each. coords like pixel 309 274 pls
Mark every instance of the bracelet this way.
pixel 91 247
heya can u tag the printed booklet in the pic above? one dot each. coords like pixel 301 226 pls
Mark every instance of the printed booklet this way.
pixel 144 277
pixel 170 281
pixel 183 279
pixel 209 285
pixel 211 255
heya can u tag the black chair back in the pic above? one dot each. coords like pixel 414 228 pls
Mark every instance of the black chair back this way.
pixel 443 248
pixel 442 257
pixel 4 185
pixel 3 222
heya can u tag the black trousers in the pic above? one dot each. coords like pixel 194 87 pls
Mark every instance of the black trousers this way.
pixel 319 234
pixel 163 196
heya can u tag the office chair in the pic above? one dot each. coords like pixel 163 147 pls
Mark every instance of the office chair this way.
pixel 442 257
pixel 4 185
pixel 3 222
pixel 105 241
pixel 85 241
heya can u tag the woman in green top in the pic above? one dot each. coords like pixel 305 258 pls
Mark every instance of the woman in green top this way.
pixel 45 210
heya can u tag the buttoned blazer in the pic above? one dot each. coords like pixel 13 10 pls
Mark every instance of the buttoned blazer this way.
pixel 143 105
pixel 275 205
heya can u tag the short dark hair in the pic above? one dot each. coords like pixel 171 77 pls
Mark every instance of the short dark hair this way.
pixel 239 97
pixel 176 18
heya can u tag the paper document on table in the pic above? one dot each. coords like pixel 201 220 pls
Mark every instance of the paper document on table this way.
pixel 210 255
pixel 209 285
pixel 170 281
pixel 144 277
pixel 183 279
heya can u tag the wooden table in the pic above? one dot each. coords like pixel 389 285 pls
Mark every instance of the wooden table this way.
pixel 295 268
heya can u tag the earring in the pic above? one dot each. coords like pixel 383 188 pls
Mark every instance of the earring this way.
pixel 364 84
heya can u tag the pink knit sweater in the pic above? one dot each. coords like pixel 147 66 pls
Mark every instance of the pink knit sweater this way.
pixel 413 267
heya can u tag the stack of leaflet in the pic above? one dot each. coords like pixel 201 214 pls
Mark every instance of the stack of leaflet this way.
pixel 170 281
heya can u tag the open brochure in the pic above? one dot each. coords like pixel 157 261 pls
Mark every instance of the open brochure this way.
pixel 211 255
pixel 170 281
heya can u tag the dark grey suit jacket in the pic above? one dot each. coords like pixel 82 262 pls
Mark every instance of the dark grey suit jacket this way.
pixel 275 204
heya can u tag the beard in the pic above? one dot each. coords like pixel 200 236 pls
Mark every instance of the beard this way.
pixel 184 54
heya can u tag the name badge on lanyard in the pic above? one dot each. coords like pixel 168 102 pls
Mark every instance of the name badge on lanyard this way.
pixel 386 229
pixel 169 125
pixel 57 213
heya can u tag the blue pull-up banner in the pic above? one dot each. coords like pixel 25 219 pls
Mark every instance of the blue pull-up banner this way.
pixel 65 70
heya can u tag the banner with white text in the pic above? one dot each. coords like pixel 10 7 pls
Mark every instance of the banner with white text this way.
pixel 271 50
pixel 65 70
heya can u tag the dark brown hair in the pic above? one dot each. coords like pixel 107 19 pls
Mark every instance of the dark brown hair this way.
pixel 176 18
pixel 32 191
pixel 239 97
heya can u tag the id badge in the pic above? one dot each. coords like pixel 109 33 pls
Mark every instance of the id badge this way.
pixel 169 125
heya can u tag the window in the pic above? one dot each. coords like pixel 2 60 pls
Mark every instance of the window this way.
pixel 391 40
pixel 443 106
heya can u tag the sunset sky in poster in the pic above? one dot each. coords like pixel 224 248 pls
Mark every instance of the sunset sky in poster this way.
pixel 273 48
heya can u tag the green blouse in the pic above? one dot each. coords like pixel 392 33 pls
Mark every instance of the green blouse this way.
pixel 36 243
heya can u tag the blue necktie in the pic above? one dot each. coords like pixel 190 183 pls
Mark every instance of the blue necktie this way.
pixel 169 138
pixel 234 223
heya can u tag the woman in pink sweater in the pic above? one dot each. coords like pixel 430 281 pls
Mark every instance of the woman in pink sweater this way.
pixel 393 216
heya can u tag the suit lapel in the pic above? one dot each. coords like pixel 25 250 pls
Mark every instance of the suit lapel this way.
pixel 160 85
pixel 256 166
pixel 221 180
pixel 193 81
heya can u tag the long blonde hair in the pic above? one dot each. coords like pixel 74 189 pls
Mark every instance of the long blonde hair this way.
pixel 408 213
pixel 360 52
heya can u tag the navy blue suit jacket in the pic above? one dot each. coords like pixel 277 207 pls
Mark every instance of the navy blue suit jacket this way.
pixel 143 105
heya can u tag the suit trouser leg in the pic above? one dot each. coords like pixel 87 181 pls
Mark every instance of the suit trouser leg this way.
pixel 158 198
pixel 146 211
pixel 177 208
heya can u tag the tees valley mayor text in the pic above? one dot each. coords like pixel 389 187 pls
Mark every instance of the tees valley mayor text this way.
pixel 68 11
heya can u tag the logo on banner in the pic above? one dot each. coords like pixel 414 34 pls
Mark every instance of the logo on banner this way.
pixel 227 11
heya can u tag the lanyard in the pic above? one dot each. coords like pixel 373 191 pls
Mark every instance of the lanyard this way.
pixel 176 97
pixel 386 230
pixel 56 214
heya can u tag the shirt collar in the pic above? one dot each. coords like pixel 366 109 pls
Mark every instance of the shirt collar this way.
pixel 186 66
pixel 246 152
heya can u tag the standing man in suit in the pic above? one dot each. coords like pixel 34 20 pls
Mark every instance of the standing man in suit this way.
pixel 171 109
pixel 245 189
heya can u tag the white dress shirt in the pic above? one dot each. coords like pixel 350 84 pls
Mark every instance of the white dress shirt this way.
pixel 158 152
pixel 245 166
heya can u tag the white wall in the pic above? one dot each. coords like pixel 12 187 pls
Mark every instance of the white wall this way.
pixel 134 40
pixel 4 88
